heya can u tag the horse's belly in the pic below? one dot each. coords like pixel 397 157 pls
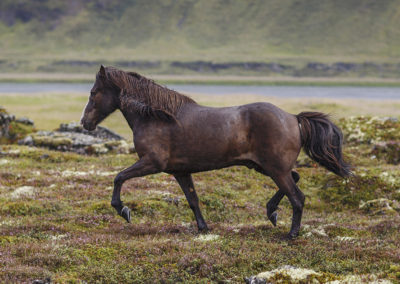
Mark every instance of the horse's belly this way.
pixel 209 155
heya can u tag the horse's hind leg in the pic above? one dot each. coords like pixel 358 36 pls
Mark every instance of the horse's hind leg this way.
pixel 272 204
pixel 287 185
pixel 186 183
pixel 142 167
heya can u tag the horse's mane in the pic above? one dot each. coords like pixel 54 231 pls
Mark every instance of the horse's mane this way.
pixel 144 96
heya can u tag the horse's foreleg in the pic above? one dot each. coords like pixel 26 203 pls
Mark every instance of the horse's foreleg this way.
pixel 273 203
pixel 186 183
pixel 287 185
pixel 140 168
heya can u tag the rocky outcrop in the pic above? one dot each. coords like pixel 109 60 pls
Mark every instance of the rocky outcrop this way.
pixel 13 129
pixel 73 138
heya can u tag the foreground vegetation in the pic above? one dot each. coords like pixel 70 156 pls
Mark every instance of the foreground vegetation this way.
pixel 56 220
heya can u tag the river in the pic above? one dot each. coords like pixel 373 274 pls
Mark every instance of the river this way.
pixel 371 93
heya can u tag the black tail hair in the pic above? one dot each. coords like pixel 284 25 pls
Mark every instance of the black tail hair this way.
pixel 322 141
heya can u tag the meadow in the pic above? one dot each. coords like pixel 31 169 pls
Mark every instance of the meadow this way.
pixel 56 220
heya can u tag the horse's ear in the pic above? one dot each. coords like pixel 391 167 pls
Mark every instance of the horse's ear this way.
pixel 102 71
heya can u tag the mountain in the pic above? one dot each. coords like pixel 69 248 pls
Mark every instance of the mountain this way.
pixel 72 35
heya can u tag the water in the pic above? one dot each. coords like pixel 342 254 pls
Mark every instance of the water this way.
pixel 372 93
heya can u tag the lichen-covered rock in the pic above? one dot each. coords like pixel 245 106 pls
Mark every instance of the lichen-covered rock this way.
pixel 380 206
pixel 97 149
pixel 73 138
pixel 370 130
pixel 291 274
pixel 23 191
pixel 99 132
pixel 53 142
pixel 12 129
pixel 388 151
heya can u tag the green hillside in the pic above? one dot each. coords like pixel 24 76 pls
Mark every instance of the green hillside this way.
pixel 42 35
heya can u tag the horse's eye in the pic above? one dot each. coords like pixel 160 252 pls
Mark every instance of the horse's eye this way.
pixel 92 94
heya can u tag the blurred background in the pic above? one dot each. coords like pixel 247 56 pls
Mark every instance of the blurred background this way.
pixel 354 38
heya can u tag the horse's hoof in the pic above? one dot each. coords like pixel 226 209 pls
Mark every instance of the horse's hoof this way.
pixel 203 230
pixel 273 218
pixel 126 214
pixel 292 236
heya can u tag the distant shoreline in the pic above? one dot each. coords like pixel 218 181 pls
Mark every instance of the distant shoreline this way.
pixel 208 79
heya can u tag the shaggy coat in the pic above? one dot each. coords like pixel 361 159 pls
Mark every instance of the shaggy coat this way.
pixel 174 134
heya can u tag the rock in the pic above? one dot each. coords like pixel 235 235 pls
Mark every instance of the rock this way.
pixel 23 191
pixel 72 137
pixel 53 142
pixel 99 132
pixel 286 273
pixel 388 151
pixel 207 238
pixel 28 140
pixel 42 281
pixel 380 206
pixel 254 280
pixel 11 129
pixel 97 149
pixel 25 120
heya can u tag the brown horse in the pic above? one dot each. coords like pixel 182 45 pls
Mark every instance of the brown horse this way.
pixel 173 134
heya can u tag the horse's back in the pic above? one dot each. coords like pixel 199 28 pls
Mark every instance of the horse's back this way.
pixel 218 137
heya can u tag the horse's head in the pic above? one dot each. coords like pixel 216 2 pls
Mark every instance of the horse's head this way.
pixel 102 101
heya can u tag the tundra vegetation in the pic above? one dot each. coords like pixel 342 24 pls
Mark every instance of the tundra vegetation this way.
pixel 56 220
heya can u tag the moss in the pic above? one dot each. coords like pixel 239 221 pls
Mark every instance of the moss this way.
pixel 5 240
pixel 15 132
pixel 102 207
pixel 348 193
pixel 97 149
pixel 46 156
pixel 51 142
pixel 27 208
pixel 366 129
pixel 339 231
pixel 388 151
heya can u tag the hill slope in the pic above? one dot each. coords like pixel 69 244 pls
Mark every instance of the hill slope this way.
pixel 189 30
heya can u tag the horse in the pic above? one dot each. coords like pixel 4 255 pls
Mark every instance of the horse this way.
pixel 175 135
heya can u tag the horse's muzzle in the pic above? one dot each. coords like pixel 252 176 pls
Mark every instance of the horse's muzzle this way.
pixel 88 126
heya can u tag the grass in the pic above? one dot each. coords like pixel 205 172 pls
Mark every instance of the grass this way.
pixel 64 227
pixel 209 79
pixel 45 109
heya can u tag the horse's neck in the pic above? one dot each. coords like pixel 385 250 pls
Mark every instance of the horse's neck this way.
pixel 130 117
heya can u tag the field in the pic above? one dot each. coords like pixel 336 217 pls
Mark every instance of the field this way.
pixel 57 222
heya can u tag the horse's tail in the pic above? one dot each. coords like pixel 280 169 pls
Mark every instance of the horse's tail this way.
pixel 322 141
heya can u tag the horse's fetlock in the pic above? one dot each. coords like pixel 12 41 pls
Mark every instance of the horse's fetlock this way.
pixel 271 208
pixel 116 203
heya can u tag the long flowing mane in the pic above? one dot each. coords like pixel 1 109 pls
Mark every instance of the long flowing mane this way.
pixel 144 96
